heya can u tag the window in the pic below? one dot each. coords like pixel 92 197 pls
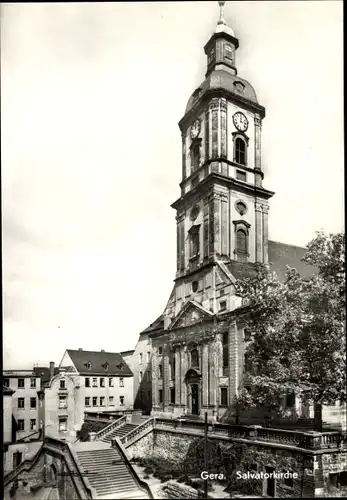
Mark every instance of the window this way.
pixel 140 376
pixel 88 365
pixel 111 401
pixel 121 382
pixel 121 400
pixel 195 286
pixel 241 207
pixel 86 401
pixel 172 395
pixel 21 383
pixel 290 400
pixel 102 382
pixel 240 151
pixel 21 403
pixel 194 357
pixel 62 384
pixel 149 375
pixel 62 402
pixel 110 382
pixel 224 396
pixel 95 401
pixel 62 424
pixel 21 425
pixel 247 335
pixel 195 157
pixel 247 363
pixel 102 401
pixel 87 382
pixel 33 383
pixel 32 402
pixel 223 305
pixel 105 366
pixel 95 382
pixel 33 424
pixel 225 353
pixel 173 368
pixel 241 176
pixel 160 395
pixel 148 357
pixel 194 240
pixel 241 241
pixel 160 350
pixel 160 371
pixel 6 382
pixel 228 52
pixel 140 358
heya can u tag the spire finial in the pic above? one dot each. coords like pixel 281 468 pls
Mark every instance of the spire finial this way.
pixel 221 14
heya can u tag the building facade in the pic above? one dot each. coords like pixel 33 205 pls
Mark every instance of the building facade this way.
pixel 222 232
pixel 88 381
pixel 25 384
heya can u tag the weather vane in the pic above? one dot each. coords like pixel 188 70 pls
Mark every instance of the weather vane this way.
pixel 221 14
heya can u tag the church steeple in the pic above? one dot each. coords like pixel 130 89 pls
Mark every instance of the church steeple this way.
pixel 221 47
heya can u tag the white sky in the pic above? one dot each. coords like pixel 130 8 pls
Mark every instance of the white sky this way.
pixel 91 95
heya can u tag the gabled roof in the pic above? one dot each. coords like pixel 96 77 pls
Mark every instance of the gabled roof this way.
pixel 102 363
pixel 282 255
pixel 191 312
pixel 158 324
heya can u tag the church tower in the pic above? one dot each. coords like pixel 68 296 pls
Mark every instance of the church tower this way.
pixel 222 232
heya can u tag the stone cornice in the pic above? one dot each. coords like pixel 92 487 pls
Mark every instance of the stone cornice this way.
pixel 219 92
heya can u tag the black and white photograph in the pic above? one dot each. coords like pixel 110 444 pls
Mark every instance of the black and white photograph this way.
pixel 173 250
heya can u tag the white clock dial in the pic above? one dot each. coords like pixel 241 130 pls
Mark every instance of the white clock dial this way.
pixel 195 129
pixel 240 121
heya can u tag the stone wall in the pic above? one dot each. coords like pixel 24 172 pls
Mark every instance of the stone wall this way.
pixel 142 448
pixel 333 463
pixel 174 490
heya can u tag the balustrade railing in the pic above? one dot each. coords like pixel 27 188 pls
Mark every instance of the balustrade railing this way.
pixel 113 425
pixel 138 431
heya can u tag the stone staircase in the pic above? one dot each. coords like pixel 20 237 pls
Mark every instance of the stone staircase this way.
pixel 108 472
pixel 120 431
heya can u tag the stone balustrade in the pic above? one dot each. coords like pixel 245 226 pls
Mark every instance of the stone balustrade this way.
pixel 113 425
pixel 308 440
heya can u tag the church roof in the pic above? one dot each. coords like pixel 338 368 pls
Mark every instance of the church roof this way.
pixel 156 325
pixel 283 254
pixel 98 360
pixel 220 79
pixel 280 256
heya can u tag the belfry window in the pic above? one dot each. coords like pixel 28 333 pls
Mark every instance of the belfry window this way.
pixel 241 241
pixel 195 157
pixel 240 151
pixel 194 243
pixel 194 358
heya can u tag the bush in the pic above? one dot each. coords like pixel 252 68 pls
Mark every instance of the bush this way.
pixel 146 476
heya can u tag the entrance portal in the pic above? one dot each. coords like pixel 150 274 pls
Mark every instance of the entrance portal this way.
pixel 195 399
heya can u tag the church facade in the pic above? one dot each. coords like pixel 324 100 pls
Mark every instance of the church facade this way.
pixel 222 232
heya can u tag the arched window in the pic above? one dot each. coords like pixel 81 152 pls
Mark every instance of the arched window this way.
pixel 195 157
pixel 53 472
pixel 240 151
pixel 194 356
pixel 241 241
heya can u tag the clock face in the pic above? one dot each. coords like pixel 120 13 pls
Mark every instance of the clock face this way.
pixel 240 121
pixel 195 129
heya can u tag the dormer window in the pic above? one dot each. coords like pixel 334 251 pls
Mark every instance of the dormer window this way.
pixel 105 366
pixel 88 365
pixel 120 366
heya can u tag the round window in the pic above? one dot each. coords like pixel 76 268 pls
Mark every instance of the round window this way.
pixel 241 207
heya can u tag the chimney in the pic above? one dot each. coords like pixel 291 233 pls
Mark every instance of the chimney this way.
pixel 51 369
pixel 102 350
pixel 80 349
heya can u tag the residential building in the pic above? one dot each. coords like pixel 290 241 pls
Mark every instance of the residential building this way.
pixel 88 381
pixel 25 385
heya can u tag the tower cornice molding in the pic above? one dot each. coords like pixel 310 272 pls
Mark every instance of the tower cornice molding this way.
pixel 249 105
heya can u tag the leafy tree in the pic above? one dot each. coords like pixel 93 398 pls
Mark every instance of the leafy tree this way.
pixel 297 327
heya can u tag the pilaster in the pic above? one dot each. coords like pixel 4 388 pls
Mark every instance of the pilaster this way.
pixel 223 128
pixel 265 234
pixel 178 376
pixel 155 375
pixel 184 156
pixel 184 368
pixel 166 378
pixel 207 135
pixel 258 233
pixel 214 119
pixel 257 142
pixel 205 367
pixel 233 362
pixel 212 373
pixel 224 227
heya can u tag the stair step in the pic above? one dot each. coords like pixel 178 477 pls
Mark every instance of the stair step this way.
pixel 114 487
